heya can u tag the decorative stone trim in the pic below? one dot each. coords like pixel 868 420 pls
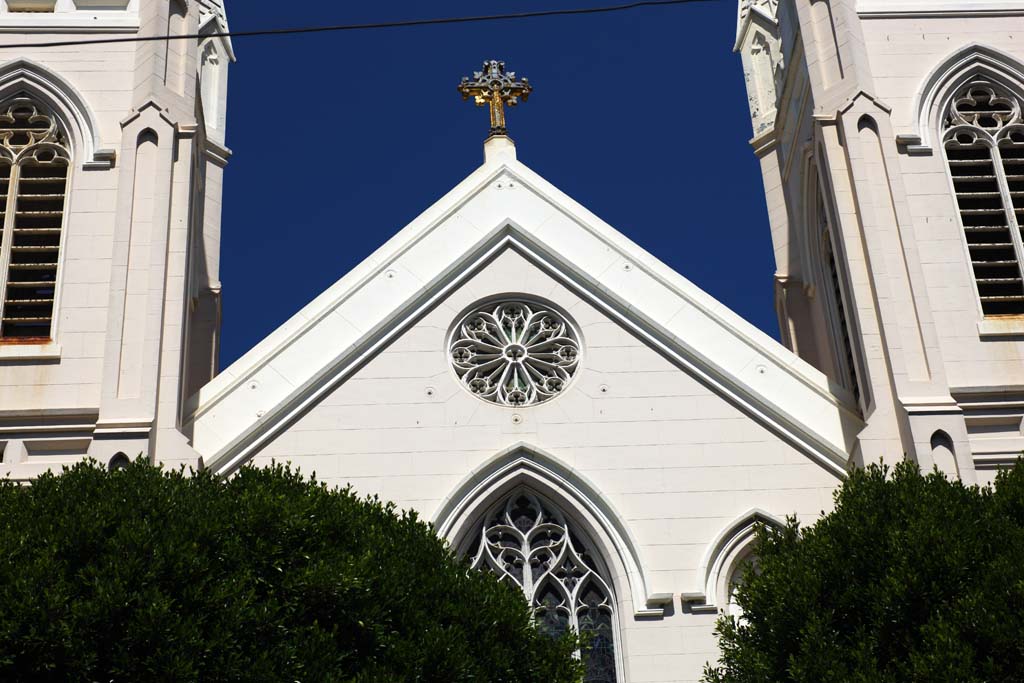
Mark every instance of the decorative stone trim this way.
pixel 514 352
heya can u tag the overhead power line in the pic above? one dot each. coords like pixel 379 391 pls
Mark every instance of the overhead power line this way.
pixel 363 27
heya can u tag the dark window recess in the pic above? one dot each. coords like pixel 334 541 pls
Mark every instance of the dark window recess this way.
pixel 985 153
pixel 32 228
pixel 844 326
pixel 986 227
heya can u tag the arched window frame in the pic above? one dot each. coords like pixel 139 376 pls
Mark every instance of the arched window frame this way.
pixel 999 287
pixel 725 558
pixel 211 68
pixel 553 556
pixel 38 239
pixel 824 257
pixel 458 516
pixel 211 26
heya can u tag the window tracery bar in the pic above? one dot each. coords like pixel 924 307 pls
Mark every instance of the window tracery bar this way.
pixel 528 542
pixel 35 188
pixel 1011 151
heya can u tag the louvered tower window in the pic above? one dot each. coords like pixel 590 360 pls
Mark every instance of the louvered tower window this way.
pixel 984 142
pixel 34 166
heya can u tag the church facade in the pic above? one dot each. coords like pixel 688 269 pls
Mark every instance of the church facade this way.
pixel 569 412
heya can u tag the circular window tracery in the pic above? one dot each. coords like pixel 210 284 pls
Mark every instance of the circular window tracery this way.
pixel 515 352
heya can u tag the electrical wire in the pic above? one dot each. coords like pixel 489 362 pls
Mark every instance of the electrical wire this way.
pixel 361 27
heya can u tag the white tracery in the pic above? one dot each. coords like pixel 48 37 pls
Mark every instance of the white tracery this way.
pixel 34 167
pixel 529 542
pixel 984 143
pixel 515 353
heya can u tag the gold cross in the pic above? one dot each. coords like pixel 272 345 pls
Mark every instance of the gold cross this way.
pixel 494 87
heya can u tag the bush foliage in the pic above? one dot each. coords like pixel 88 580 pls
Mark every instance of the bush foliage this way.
pixel 911 579
pixel 145 575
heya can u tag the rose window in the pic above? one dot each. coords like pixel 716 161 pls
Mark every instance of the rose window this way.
pixel 515 353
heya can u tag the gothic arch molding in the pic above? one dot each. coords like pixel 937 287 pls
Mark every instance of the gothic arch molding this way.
pixel 731 546
pixel 523 465
pixel 70 108
pixel 819 238
pixel 211 26
pixel 949 76
pixel 747 11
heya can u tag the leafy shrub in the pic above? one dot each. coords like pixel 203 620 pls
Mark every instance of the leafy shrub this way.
pixel 145 575
pixel 911 579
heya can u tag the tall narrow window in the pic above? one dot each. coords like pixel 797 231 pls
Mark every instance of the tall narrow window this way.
pixel 984 143
pixel 527 541
pixel 34 166
pixel 845 360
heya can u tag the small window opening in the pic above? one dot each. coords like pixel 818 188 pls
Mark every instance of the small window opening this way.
pixel 120 461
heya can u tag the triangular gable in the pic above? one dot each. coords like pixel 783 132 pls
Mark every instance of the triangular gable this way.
pixel 503 205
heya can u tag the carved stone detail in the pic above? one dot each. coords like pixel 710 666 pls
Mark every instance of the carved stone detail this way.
pixel 529 543
pixel 760 46
pixel 515 353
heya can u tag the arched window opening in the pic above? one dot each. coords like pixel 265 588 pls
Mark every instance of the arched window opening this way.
pixel 176 51
pixel 944 454
pixel 33 181
pixel 530 542
pixel 845 358
pixel 984 143
pixel 736 577
pixel 120 461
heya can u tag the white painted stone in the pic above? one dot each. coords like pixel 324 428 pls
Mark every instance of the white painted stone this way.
pixel 681 420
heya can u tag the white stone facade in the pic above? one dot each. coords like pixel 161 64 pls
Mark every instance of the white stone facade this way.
pixel 137 312
pixel 855 165
pixel 656 424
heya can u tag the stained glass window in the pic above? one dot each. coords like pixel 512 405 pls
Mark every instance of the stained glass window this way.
pixel 529 542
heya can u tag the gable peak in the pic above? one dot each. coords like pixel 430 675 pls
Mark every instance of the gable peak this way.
pixel 498 149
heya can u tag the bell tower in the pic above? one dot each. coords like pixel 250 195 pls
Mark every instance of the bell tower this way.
pixel 888 134
pixel 112 165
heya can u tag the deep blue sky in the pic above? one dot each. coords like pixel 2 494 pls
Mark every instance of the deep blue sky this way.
pixel 339 140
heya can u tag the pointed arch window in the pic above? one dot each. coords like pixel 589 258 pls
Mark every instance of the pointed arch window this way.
pixel 845 357
pixel 529 542
pixel 984 144
pixel 838 318
pixel 735 580
pixel 35 163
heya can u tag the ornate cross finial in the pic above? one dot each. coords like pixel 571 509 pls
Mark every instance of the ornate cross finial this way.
pixel 494 87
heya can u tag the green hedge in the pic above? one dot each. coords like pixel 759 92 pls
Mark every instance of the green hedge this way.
pixel 145 575
pixel 912 579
